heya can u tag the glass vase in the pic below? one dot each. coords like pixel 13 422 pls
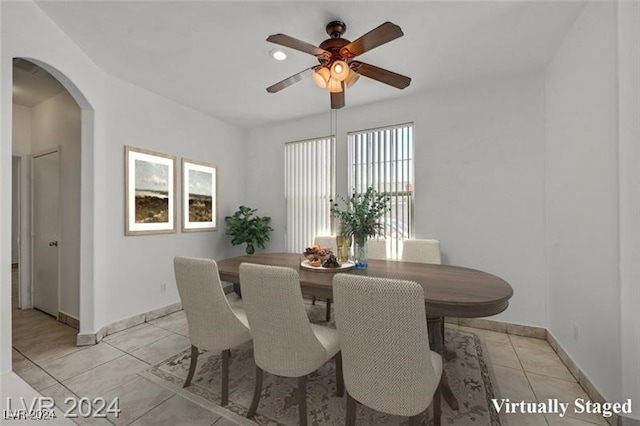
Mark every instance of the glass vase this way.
pixel 361 253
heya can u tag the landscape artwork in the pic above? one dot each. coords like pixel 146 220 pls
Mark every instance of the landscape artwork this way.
pixel 150 188
pixel 199 190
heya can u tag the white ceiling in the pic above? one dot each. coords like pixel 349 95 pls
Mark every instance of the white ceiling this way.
pixel 213 57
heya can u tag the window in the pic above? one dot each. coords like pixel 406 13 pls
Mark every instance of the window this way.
pixel 309 185
pixel 383 158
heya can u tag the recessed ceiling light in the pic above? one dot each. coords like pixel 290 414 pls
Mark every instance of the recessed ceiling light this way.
pixel 278 54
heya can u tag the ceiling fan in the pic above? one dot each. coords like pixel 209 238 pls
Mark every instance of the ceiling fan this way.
pixel 337 68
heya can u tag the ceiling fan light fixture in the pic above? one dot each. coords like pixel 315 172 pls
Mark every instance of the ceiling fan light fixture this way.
pixel 334 86
pixel 336 57
pixel 339 70
pixel 321 77
pixel 351 78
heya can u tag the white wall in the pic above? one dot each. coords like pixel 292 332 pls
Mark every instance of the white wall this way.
pixel 5 212
pixel 21 134
pixel 28 33
pixel 582 197
pixel 120 276
pixel 21 146
pixel 136 266
pixel 56 124
pixel 15 209
pixel 479 176
pixel 629 161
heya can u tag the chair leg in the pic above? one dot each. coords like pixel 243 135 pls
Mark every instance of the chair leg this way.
pixel 351 410
pixel 192 365
pixel 313 300
pixel 225 377
pixel 256 393
pixel 302 400
pixel 339 378
pixel 328 314
pixel 437 407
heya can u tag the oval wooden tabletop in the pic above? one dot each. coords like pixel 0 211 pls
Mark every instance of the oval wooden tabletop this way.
pixel 451 291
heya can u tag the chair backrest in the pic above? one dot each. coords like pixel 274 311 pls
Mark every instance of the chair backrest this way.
pixel 382 330
pixel 328 242
pixel 421 251
pixel 283 342
pixel 377 249
pixel 212 323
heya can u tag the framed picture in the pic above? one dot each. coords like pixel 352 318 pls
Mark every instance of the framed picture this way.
pixel 150 180
pixel 199 196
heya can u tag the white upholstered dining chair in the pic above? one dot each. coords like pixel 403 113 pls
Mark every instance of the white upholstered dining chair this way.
pixel 377 249
pixel 426 251
pixel 421 251
pixel 327 242
pixel 387 363
pixel 213 324
pixel 285 343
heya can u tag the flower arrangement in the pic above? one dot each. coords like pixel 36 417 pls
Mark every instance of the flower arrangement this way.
pixel 360 218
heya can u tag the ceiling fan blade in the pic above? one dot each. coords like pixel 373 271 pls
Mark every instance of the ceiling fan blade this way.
pixel 294 43
pixel 290 80
pixel 384 76
pixel 337 99
pixel 374 38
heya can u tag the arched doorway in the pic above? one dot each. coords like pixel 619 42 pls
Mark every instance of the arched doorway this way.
pixel 63 122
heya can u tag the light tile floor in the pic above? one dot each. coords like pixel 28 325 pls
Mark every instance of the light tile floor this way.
pixel 45 356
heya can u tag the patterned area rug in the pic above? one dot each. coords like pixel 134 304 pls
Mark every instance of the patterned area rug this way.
pixel 468 375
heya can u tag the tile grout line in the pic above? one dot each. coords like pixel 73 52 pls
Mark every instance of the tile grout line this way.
pixel 525 375
pixel 152 408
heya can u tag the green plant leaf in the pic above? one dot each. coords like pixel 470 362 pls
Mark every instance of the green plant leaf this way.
pixel 245 227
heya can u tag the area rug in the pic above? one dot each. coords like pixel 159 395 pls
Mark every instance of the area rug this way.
pixel 468 374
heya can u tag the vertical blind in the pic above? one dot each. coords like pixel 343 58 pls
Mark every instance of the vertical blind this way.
pixel 383 158
pixel 309 185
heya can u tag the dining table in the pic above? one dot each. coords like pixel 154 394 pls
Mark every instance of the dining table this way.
pixel 449 291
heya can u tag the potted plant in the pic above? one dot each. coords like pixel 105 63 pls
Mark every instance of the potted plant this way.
pixel 359 219
pixel 245 227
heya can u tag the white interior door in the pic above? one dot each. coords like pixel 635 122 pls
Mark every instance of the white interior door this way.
pixel 45 228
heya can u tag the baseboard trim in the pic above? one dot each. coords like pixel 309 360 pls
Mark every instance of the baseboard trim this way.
pixel 70 320
pixel 545 334
pixel 501 327
pixel 114 327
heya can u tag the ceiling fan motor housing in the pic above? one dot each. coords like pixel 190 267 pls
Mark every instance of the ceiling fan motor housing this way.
pixel 333 46
pixel 335 29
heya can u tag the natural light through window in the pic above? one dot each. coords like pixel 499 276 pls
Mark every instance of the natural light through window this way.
pixel 384 159
pixel 309 185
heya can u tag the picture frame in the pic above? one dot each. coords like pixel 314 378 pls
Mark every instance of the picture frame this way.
pixel 199 196
pixel 150 192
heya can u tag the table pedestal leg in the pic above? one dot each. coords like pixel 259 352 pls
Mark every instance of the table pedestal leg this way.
pixel 447 353
pixel 436 341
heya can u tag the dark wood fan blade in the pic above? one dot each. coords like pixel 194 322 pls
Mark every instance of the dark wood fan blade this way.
pixel 291 80
pixel 337 99
pixel 294 43
pixel 374 38
pixel 384 76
